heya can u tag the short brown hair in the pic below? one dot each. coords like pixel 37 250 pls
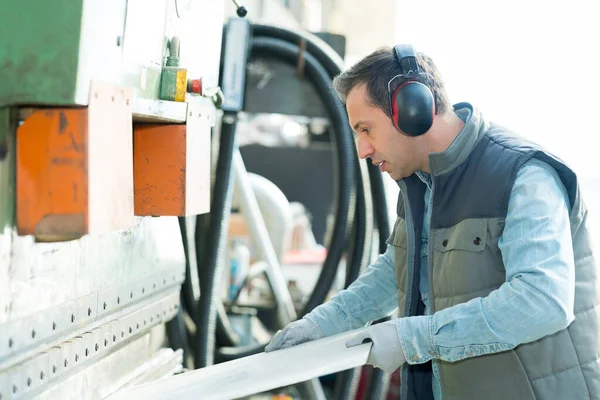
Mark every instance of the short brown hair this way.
pixel 376 70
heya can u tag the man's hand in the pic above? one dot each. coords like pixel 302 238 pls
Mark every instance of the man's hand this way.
pixel 297 332
pixel 386 351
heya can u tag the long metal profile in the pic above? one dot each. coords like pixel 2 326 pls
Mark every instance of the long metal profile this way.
pixel 256 374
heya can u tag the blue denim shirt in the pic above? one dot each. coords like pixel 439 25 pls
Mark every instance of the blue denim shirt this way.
pixel 536 248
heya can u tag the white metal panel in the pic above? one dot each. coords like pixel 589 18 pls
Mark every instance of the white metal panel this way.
pixel 256 374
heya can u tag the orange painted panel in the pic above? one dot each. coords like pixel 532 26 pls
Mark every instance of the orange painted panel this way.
pixel 159 169
pixel 52 184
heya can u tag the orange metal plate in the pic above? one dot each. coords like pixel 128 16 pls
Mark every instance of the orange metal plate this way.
pixel 159 154
pixel 51 173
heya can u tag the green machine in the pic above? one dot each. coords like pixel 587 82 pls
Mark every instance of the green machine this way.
pixel 83 318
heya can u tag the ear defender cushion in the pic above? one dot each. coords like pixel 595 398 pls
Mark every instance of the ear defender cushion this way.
pixel 413 108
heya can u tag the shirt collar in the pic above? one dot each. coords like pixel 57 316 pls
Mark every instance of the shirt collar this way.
pixel 464 143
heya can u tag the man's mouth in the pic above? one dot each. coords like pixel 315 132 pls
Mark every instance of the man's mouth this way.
pixel 381 165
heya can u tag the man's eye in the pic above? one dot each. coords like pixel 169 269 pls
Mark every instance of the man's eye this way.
pixel 365 130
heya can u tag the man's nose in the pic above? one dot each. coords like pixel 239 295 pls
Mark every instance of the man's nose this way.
pixel 364 148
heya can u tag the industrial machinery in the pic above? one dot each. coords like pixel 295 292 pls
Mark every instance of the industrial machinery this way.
pixel 113 216
pixel 101 147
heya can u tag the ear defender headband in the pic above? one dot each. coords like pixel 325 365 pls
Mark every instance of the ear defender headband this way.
pixel 412 103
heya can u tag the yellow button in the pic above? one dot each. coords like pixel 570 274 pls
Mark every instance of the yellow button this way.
pixel 415 358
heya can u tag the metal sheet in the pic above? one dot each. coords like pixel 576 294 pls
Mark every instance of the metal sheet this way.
pixel 256 374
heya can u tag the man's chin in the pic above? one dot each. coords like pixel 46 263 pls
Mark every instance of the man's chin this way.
pixel 397 175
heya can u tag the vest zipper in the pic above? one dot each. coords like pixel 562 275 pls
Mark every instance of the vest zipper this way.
pixel 410 255
pixel 430 268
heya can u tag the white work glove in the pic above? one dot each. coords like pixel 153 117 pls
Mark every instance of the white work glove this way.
pixel 386 351
pixel 297 332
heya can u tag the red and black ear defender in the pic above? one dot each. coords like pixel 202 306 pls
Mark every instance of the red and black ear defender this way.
pixel 412 102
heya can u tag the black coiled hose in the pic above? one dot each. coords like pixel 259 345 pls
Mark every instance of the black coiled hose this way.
pixel 344 155
pixel 380 381
pixel 346 162
pixel 322 64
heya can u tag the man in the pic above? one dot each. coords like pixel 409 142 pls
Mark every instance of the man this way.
pixel 490 261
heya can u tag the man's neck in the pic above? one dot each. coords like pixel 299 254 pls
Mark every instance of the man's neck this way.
pixel 444 130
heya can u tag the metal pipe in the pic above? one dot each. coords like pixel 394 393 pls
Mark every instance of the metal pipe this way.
pixel 261 241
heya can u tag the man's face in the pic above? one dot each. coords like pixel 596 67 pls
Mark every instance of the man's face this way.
pixel 378 139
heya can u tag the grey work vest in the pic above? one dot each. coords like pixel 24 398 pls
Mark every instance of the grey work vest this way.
pixel 469 206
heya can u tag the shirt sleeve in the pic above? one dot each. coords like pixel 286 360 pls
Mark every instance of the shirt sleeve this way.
pixel 537 298
pixel 372 296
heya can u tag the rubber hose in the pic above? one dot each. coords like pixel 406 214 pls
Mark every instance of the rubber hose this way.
pixel 379 206
pixel 209 267
pixel 226 336
pixel 333 63
pixel 317 47
pixel 359 258
pixel 233 353
pixel 346 159
pixel 346 197
pixel 379 383
pixel 177 334
pixel 188 300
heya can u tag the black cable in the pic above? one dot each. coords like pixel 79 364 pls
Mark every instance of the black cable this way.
pixel 207 253
pixel 346 190
pixel 379 383
pixel 188 299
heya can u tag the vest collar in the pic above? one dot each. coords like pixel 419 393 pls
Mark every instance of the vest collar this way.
pixel 462 146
